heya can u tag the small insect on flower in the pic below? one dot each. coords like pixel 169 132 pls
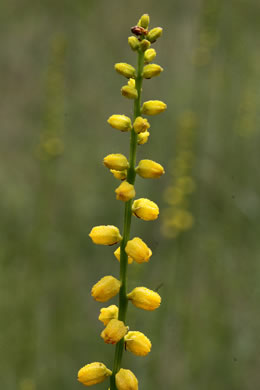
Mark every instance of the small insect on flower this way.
pixel 138 30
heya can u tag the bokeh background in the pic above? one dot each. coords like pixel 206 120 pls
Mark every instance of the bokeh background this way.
pixel 58 87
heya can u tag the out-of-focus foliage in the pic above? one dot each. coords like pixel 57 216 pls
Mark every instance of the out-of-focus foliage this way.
pixel 58 89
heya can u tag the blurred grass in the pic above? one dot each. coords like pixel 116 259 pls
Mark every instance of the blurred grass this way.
pixel 57 80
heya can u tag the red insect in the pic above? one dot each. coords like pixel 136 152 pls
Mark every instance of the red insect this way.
pixel 139 30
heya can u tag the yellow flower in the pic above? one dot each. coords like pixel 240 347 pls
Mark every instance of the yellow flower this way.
pixel 138 250
pixel 121 175
pixel 126 70
pixel 108 313
pixel 144 298
pixel 137 343
pixel 153 107
pixel 133 43
pixel 151 70
pixel 105 235
pixel 144 21
pixel 131 82
pixel 117 255
pixel 120 122
pixel 145 44
pixel 125 191
pixel 114 331
pixel 105 289
pixel 93 373
pixel 145 209
pixel 142 138
pixel 141 125
pixel 149 169
pixel 154 34
pixel 129 92
pixel 126 380
pixel 116 161
pixel 149 55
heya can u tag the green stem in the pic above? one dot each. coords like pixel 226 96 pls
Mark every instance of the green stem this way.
pixel 123 301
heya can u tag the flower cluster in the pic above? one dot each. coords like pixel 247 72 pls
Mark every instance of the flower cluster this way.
pixel 135 249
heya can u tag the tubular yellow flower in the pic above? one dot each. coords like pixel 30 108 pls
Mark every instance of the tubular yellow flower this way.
pixel 125 191
pixel 105 235
pixel 105 289
pixel 126 70
pixel 142 138
pixel 116 161
pixel 153 107
pixel 108 313
pixel 145 209
pixel 152 70
pixel 138 250
pixel 141 125
pixel 131 82
pixel 129 92
pixel 133 43
pixel 137 343
pixel 121 175
pixel 117 255
pixel 154 34
pixel 144 21
pixel 149 55
pixel 149 169
pixel 144 298
pixel 126 380
pixel 114 331
pixel 93 373
pixel 120 122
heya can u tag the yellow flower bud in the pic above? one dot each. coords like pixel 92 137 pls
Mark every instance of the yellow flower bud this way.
pixel 133 43
pixel 142 138
pixel 153 107
pixel 117 254
pixel 141 125
pixel 105 235
pixel 138 250
pixel 120 122
pixel 108 313
pixel 145 209
pixel 149 55
pixel 116 161
pixel 125 191
pixel 152 70
pixel 144 298
pixel 154 34
pixel 126 380
pixel 114 331
pixel 131 82
pixel 126 70
pixel 138 343
pixel 144 21
pixel 145 44
pixel 149 169
pixel 105 289
pixel 93 373
pixel 121 175
pixel 129 92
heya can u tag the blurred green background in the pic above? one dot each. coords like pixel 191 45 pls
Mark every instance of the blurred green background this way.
pixel 58 89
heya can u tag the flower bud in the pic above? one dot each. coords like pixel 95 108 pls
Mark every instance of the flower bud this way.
pixel 137 343
pixel 108 313
pixel 141 125
pixel 105 289
pixel 144 21
pixel 126 380
pixel 105 235
pixel 153 107
pixel 131 82
pixel 145 44
pixel 129 92
pixel 114 331
pixel 149 55
pixel 121 175
pixel 117 254
pixel 126 70
pixel 138 250
pixel 154 34
pixel 149 169
pixel 133 43
pixel 125 191
pixel 116 161
pixel 152 70
pixel 145 209
pixel 120 122
pixel 142 138
pixel 93 373
pixel 144 298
